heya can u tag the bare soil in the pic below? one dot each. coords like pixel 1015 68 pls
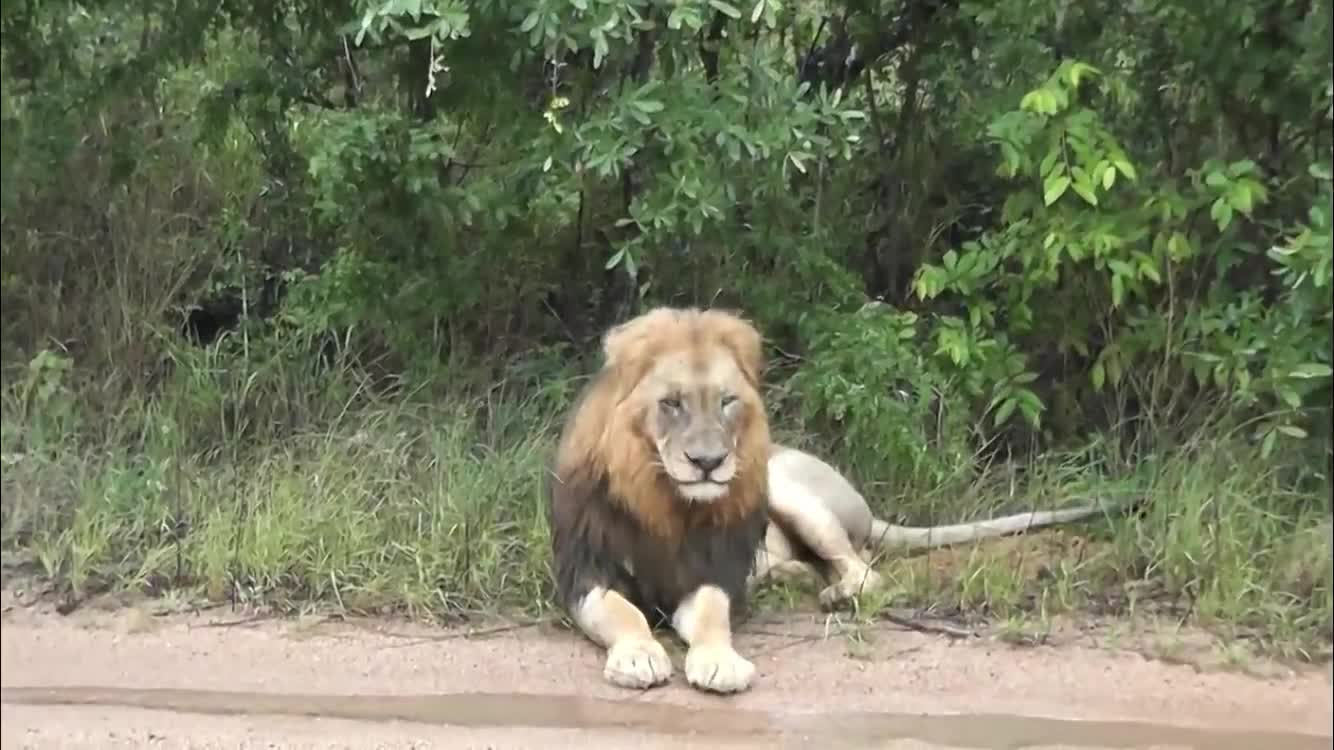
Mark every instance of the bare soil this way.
pixel 130 677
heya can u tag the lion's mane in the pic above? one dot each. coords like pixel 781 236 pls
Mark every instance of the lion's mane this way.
pixel 616 520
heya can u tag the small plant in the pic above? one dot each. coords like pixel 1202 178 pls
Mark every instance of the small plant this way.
pixel 887 410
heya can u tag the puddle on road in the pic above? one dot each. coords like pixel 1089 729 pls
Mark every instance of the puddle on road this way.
pixel 482 710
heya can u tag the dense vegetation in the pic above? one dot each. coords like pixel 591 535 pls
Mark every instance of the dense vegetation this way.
pixel 295 292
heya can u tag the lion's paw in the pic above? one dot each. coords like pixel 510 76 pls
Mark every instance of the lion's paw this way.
pixel 718 669
pixel 637 664
pixel 850 586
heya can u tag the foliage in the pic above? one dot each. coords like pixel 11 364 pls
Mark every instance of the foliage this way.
pixel 887 408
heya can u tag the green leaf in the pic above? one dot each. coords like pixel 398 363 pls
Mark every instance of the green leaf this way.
pixel 1077 69
pixel 1149 270
pixel 1292 430
pixel 1239 197
pixel 648 105
pixel 757 12
pixel 1239 168
pixel 1098 376
pixel 1178 246
pixel 1289 397
pixel 413 33
pixel 614 260
pixel 600 48
pixel 1054 187
pixel 727 9
pixel 1125 168
pixel 1311 370
pixel 1085 191
pixel 1031 407
pixel 1221 213
pixel 1003 413
pixel 1108 177
pixel 1049 161
pixel 1267 446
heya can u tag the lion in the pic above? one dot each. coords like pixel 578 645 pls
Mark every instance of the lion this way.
pixel 668 502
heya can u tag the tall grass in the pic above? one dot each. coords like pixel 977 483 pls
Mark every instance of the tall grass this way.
pixel 371 502
pixel 266 480
pixel 1217 538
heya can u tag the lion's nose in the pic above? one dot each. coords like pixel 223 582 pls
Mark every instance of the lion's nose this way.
pixel 706 461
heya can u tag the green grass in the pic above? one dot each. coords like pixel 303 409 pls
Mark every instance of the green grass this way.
pixel 373 504
pixel 1219 541
pixel 259 480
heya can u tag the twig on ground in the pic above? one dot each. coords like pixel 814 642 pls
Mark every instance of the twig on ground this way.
pixel 936 628
pixel 466 635
pixel 235 623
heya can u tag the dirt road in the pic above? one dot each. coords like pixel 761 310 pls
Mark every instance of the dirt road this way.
pixel 128 679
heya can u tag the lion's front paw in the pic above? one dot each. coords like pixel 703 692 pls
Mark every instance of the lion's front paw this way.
pixel 637 664
pixel 719 669
pixel 854 584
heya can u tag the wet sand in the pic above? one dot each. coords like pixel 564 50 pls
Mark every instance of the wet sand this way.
pixel 129 679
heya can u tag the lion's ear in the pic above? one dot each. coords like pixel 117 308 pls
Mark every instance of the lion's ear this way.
pixel 743 339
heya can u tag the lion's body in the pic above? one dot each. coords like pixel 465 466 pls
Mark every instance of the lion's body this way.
pixel 667 501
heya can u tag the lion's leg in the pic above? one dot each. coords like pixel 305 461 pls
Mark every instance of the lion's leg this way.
pixel 703 621
pixel 819 528
pixel 774 553
pixel 790 571
pixel 776 561
pixel 635 659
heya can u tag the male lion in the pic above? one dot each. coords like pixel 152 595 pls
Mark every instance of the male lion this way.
pixel 668 501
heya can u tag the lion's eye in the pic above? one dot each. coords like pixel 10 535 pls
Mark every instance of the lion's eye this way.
pixel 728 401
pixel 671 404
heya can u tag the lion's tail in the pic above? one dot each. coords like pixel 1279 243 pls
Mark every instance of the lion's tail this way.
pixel 887 536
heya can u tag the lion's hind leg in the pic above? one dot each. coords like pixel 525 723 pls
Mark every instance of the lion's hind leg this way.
pixel 815 525
pixel 777 561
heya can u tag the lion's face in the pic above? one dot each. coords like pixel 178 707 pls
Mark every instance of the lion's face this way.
pixel 694 406
pixel 686 406
pixel 675 416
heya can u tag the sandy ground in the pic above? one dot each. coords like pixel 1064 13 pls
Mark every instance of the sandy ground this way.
pixel 125 679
